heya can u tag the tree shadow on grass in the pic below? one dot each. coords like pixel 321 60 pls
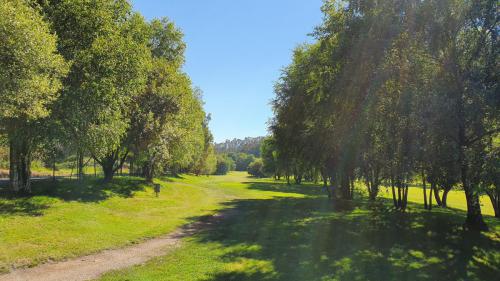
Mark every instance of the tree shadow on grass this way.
pixel 86 191
pixel 306 189
pixel 313 239
pixel 22 207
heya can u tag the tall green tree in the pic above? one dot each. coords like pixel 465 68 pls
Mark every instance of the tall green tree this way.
pixel 30 73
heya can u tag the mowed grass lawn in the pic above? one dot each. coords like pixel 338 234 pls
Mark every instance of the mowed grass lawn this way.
pixel 270 231
pixel 70 219
pixel 308 237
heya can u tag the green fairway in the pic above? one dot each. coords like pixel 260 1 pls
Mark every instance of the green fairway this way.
pixel 69 219
pixel 308 237
pixel 272 231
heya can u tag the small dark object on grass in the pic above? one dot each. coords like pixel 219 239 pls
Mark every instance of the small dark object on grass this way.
pixel 157 189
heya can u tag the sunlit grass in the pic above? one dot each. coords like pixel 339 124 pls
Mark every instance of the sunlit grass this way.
pixel 70 219
pixel 278 232
pixel 307 237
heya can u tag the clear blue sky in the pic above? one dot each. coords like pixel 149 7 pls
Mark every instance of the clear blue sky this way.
pixel 236 50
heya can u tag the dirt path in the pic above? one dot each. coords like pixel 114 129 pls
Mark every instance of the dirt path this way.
pixel 93 266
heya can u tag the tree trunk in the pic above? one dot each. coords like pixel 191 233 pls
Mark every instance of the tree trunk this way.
pixel 374 191
pixel 406 195
pixel 495 201
pixel 345 186
pixel 80 165
pixel 20 166
pixel 327 188
pixel 430 198
pixel 474 218
pixel 444 199
pixel 351 182
pixel 148 171
pixel 398 185
pixel 424 184
pixel 394 194
pixel 54 169
pixel 107 168
pixel 436 194
pixel 298 178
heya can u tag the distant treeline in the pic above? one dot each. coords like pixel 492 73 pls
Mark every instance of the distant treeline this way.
pixel 248 145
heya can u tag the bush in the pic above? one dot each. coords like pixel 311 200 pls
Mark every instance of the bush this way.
pixel 224 165
pixel 255 168
pixel 242 160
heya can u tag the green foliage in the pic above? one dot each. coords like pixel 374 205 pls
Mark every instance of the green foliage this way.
pixel 417 101
pixel 224 164
pixel 270 157
pixel 248 145
pixel 30 68
pixel 126 97
pixel 241 160
pixel 256 168
pixel 30 80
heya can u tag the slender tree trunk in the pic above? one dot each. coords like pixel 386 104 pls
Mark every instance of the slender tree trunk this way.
pixel 54 170
pixel 327 188
pixel 368 187
pixel 394 194
pixel 20 166
pixel 351 181
pixel 400 201
pixel 374 191
pixel 405 197
pixel 430 198
pixel 436 194
pixel 495 201
pixel 424 185
pixel 80 165
pixel 444 198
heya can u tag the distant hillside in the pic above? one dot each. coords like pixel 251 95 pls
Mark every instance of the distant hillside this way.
pixel 248 145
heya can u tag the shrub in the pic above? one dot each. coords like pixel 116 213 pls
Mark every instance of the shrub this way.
pixel 255 168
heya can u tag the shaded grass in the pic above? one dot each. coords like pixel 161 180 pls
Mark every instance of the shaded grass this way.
pixel 307 237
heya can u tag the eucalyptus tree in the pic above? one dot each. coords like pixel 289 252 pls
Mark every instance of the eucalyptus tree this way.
pixel 30 73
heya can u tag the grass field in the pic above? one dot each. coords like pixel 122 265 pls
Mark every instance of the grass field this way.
pixel 69 219
pixel 307 237
pixel 271 231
